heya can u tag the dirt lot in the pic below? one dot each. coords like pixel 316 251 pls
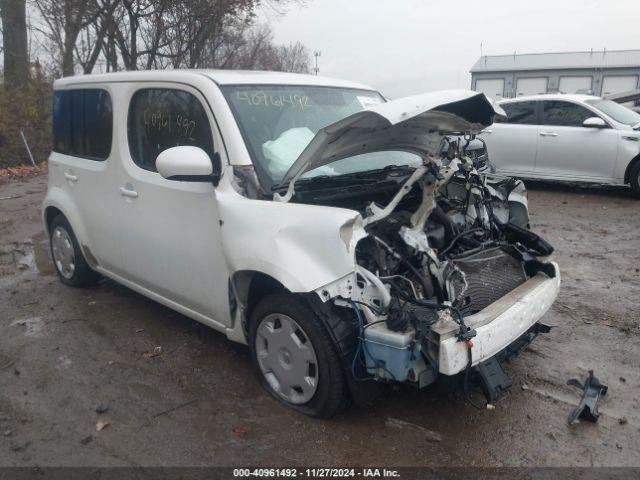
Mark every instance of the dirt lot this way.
pixel 65 351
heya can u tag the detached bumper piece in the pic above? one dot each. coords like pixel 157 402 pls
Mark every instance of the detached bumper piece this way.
pixel 490 375
pixel 588 407
pixel 492 379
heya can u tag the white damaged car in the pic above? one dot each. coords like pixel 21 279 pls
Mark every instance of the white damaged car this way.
pixel 306 217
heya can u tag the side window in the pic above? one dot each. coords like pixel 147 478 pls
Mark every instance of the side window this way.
pixel 161 118
pixel 98 124
pixel 82 123
pixel 564 114
pixel 61 122
pixel 523 113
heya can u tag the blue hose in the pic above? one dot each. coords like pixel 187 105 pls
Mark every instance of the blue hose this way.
pixel 359 347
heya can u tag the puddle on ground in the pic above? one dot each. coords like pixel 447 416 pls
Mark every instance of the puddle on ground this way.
pixel 22 261
pixel 19 260
pixel 42 254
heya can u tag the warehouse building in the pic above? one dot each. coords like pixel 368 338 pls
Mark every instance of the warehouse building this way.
pixel 596 72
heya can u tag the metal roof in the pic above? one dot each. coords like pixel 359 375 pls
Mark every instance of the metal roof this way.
pixel 557 61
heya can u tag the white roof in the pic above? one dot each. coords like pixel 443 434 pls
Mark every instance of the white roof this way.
pixel 221 77
pixel 558 60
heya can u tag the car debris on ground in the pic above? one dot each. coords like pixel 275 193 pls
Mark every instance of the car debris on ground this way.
pixel 588 407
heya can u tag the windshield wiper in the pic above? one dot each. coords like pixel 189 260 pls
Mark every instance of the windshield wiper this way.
pixel 364 176
pixel 346 178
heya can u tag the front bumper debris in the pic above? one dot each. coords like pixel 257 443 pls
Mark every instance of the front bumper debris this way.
pixel 588 407
pixel 500 324
pixel 489 374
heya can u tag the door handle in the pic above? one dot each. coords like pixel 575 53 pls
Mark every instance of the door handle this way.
pixel 548 134
pixel 128 193
pixel 486 131
pixel 70 176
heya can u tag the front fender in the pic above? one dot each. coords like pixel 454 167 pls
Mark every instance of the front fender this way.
pixel 304 247
pixel 628 152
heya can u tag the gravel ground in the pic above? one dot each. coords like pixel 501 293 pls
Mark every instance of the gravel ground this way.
pixel 65 351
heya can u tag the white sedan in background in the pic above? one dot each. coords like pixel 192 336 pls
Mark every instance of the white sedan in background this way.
pixel 566 137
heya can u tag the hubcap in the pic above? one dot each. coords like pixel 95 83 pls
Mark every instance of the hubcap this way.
pixel 63 254
pixel 286 358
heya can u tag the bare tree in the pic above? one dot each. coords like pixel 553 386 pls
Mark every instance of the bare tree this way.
pixel 292 58
pixel 90 44
pixel 64 20
pixel 146 34
pixel 254 49
pixel 177 33
pixel 14 28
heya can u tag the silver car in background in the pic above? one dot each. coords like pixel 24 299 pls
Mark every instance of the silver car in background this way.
pixel 578 138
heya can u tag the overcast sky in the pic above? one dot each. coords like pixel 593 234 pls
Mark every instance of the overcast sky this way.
pixel 404 47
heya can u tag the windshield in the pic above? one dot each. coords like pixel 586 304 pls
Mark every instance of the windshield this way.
pixel 616 111
pixel 279 121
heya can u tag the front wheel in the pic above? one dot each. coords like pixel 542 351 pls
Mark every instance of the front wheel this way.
pixel 295 356
pixel 635 178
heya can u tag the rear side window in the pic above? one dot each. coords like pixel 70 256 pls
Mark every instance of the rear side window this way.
pixel 523 113
pixel 161 118
pixel 82 123
pixel 564 114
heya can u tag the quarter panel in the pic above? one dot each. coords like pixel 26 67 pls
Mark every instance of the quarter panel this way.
pixel 56 197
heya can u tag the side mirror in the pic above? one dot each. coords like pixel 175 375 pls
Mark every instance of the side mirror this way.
pixel 594 122
pixel 188 164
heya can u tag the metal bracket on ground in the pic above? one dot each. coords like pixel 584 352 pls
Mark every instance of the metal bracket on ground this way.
pixel 588 407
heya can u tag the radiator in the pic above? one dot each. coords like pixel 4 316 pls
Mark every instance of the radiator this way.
pixel 490 275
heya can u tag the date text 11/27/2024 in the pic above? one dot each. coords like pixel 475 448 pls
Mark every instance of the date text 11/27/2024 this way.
pixel 315 473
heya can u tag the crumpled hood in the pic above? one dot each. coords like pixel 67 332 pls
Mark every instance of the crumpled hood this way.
pixel 412 123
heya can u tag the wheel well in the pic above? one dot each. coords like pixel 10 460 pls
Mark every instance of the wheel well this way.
pixel 51 213
pixel 251 287
pixel 627 172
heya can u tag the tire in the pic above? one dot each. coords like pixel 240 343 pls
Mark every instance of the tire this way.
pixel 278 359
pixel 634 178
pixel 69 262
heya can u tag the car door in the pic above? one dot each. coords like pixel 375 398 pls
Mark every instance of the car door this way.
pixel 82 165
pixel 568 149
pixel 512 142
pixel 171 229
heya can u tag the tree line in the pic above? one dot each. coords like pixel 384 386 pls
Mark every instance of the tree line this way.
pixel 67 37
pixel 41 40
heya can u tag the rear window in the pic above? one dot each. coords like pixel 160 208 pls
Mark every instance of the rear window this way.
pixel 82 123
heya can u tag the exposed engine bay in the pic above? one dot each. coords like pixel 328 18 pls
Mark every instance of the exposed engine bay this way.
pixel 446 276
pixel 446 244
